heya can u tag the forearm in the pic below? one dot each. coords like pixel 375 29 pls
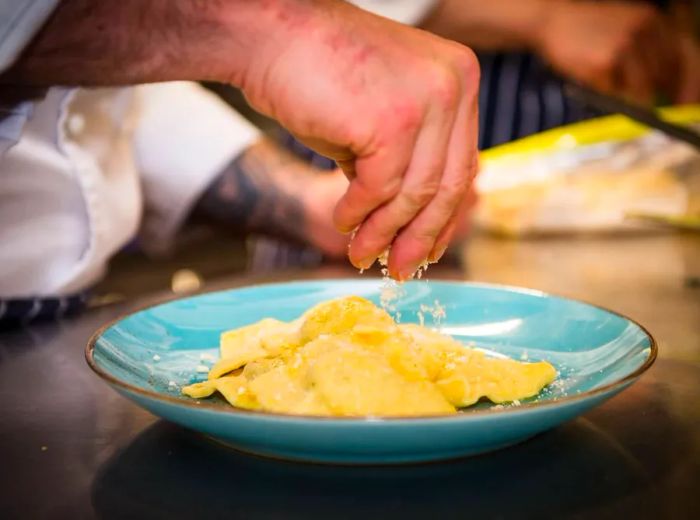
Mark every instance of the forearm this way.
pixel 261 190
pixel 269 191
pixel 492 24
pixel 115 42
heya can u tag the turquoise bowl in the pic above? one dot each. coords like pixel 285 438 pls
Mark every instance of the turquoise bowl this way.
pixel 149 355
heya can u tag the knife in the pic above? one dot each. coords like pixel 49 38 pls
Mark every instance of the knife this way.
pixel 648 117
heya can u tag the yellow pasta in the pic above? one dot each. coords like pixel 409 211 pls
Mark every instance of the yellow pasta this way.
pixel 347 357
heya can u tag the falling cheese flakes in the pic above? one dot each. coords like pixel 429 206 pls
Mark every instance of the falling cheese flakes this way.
pixel 348 357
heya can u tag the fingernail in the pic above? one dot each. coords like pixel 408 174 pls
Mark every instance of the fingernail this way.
pixel 344 230
pixel 364 264
pixel 407 274
pixel 436 254
pixel 352 231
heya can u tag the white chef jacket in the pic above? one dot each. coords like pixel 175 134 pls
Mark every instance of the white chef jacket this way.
pixel 78 166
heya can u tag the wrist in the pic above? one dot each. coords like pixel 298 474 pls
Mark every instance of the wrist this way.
pixel 255 35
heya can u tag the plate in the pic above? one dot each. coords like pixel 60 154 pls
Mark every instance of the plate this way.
pixel 149 355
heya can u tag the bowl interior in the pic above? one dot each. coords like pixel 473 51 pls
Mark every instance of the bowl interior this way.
pixel 160 348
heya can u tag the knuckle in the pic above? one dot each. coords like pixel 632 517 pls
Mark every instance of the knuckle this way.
pixel 389 189
pixel 419 195
pixel 446 88
pixel 423 239
pixel 408 115
pixel 468 64
pixel 452 191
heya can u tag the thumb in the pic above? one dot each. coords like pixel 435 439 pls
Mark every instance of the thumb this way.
pixel 341 155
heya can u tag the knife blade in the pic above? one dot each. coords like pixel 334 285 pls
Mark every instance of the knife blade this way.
pixel 648 117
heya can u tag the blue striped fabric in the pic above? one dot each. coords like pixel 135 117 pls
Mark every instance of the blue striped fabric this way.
pixel 20 312
pixel 520 96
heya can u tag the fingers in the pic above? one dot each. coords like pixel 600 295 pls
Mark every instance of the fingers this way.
pixel 409 180
pixel 457 227
pixel 418 239
pixel 376 178
pixel 348 168
pixel 418 188
pixel 639 61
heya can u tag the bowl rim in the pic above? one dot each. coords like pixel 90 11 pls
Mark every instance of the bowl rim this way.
pixel 198 404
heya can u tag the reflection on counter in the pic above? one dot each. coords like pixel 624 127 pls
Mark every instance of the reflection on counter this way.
pixel 172 472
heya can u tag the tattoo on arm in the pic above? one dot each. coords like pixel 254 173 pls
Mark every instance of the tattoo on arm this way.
pixel 260 191
pixel 121 42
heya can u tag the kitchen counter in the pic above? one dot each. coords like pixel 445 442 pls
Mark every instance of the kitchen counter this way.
pixel 70 447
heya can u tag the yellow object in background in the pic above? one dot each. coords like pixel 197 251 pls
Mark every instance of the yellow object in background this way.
pixel 347 357
pixel 605 174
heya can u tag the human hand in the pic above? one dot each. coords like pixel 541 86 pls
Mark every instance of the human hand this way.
pixel 625 48
pixel 322 192
pixel 395 106
pixel 268 190
pixel 320 196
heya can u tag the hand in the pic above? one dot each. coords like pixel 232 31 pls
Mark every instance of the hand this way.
pixel 395 106
pixel 322 192
pixel 267 190
pixel 629 49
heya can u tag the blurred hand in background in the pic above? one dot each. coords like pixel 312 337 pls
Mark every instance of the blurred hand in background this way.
pixel 628 48
pixel 621 47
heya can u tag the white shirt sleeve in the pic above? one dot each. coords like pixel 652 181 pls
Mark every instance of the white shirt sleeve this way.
pixel 410 12
pixel 69 193
pixel 185 136
pixel 19 21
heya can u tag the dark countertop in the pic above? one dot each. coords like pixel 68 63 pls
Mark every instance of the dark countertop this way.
pixel 70 447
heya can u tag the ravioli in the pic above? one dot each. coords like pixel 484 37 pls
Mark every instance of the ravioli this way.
pixel 348 357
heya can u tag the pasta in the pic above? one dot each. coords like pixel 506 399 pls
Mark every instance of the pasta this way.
pixel 348 357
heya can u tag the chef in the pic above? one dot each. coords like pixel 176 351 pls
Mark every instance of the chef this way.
pixel 78 165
